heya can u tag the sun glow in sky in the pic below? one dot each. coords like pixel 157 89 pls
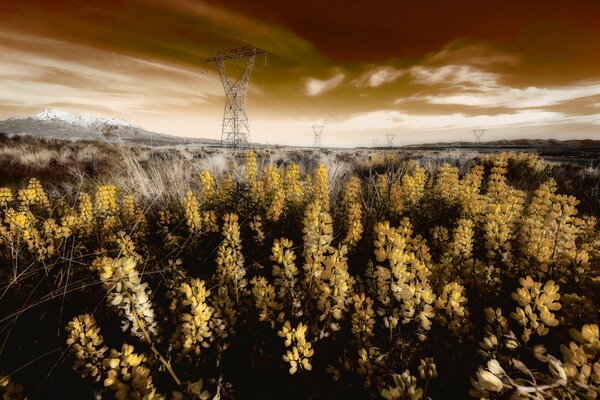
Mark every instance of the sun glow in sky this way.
pixel 426 71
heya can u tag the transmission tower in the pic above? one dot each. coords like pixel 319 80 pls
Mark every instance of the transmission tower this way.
pixel 478 134
pixel 236 132
pixel 390 138
pixel 317 129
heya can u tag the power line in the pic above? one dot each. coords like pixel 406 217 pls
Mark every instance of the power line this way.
pixel 303 111
pixel 133 21
pixel 318 106
pixel 273 107
pixel 31 17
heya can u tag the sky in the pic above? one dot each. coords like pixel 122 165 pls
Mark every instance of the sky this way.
pixel 425 71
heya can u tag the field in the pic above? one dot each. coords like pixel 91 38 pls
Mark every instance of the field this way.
pixel 132 272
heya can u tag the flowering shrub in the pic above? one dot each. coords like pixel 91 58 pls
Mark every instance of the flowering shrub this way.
pixel 264 281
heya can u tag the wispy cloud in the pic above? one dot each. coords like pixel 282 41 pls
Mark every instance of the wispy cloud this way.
pixel 83 80
pixel 386 119
pixel 465 85
pixel 378 76
pixel 315 87
pixel 456 52
pixel 516 98
pixel 454 76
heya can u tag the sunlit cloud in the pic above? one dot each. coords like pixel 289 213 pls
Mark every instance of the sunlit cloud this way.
pixel 378 76
pixel 459 76
pixel 518 98
pixel 473 86
pixel 471 54
pixel 315 87
pixel 386 119
pixel 88 81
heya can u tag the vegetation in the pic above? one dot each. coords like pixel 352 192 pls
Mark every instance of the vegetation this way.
pixel 385 280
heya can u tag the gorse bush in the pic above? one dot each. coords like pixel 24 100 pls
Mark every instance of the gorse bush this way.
pixel 403 284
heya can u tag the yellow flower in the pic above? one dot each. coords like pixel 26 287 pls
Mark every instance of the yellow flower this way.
pixel 488 381
pixel 298 356
pixel 191 211
pixel 321 187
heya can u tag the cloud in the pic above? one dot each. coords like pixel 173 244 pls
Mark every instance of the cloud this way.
pixel 378 76
pixel 465 85
pixel 315 87
pixel 457 52
pixel 515 98
pixel 241 27
pixel 86 80
pixel 454 75
pixel 390 119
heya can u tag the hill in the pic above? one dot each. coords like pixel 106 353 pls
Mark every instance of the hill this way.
pixel 58 124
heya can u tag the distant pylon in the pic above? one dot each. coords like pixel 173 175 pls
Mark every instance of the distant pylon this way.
pixel 478 134
pixel 235 132
pixel 317 129
pixel 390 138
pixel 374 142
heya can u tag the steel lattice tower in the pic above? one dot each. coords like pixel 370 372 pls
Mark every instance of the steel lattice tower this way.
pixel 317 129
pixel 478 134
pixel 236 132
pixel 390 139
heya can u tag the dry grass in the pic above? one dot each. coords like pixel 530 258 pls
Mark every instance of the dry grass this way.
pixel 161 178
pixel 161 175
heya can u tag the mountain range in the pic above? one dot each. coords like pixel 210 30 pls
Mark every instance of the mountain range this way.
pixel 58 124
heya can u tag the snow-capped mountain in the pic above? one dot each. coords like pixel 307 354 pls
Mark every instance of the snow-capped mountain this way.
pixel 76 120
pixel 59 124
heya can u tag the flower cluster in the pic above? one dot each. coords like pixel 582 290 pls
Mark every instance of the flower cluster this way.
pixel 264 298
pixel 363 318
pixel 452 310
pixel 6 196
pixel 582 358
pixel 321 187
pixel 33 195
pixel 402 283
pixel 285 273
pixel 106 200
pixel 406 386
pixel 128 376
pixel 230 261
pixel 87 345
pixel 191 210
pixel 300 352
pixel 292 186
pixel 271 194
pixel 128 294
pixel 208 189
pixel 351 212
pixel 193 330
pixel 536 306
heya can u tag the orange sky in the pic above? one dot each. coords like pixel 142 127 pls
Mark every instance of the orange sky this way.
pixel 426 71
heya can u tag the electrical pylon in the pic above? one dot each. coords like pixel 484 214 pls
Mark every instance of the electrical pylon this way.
pixel 390 138
pixel 236 132
pixel 317 129
pixel 478 134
